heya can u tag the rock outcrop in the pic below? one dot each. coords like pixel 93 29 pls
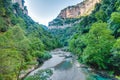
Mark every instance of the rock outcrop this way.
pixel 82 9
pixel 20 2
pixel 21 5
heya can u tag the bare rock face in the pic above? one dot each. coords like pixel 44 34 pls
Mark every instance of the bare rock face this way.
pixel 82 9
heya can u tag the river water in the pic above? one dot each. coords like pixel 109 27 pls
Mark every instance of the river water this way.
pixel 65 67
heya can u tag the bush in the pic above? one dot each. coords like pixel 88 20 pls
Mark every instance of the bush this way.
pixel 42 56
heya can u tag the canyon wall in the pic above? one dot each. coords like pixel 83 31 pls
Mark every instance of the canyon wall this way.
pixel 73 12
pixel 81 9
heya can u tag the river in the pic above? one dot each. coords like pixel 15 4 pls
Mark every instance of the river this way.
pixel 65 67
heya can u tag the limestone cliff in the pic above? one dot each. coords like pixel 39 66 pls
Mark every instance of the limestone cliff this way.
pixel 82 9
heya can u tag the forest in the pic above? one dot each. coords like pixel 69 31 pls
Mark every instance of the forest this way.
pixel 22 41
pixel 95 40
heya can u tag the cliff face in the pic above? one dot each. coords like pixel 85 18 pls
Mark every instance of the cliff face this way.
pixel 21 4
pixel 82 9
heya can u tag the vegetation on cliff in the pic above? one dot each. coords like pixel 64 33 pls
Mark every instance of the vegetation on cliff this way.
pixel 95 39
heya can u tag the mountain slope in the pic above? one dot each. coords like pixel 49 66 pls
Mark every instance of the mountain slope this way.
pixel 22 40
pixel 71 14
pixel 95 39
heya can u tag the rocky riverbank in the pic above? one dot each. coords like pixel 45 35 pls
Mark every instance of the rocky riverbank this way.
pixel 64 66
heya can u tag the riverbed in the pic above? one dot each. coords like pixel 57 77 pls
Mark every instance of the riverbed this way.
pixel 65 67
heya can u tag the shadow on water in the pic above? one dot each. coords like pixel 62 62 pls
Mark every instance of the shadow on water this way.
pixel 93 76
pixel 96 77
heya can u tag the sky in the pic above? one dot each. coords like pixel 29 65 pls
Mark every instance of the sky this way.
pixel 44 11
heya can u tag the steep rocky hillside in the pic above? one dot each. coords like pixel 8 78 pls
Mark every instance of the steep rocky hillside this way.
pixel 21 5
pixel 70 15
pixel 96 39
pixel 20 2
pixel 81 9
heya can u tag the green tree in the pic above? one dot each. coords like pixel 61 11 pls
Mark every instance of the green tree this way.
pixel 37 44
pixel 117 5
pixel 77 44
pixel 2 8
pixel 100 15
pixel 99 43
pixel 115 57
pixel 3 26
pixel 114 24
pixel 10 64
pixel 115 17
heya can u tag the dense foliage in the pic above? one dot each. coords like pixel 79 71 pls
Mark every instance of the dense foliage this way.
pixel 22 41
pixel 63 21
pixel 97 40
pixel 40 75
